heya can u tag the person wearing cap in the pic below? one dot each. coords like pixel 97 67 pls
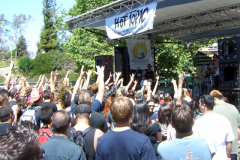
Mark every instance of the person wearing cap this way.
pixel 82 115
pixel 59 146
pixel 6 118
pixel 36 99
pixel 97 120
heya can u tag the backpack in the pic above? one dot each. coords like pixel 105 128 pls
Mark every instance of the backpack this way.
pixel 78 138
pixel 44 135
pixel 29 115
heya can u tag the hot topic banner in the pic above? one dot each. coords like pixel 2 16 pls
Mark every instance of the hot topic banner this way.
pixel 130 23
pixel 139 53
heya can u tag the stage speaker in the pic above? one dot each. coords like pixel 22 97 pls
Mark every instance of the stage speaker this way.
pixel 122 63
pixel 107 61
pixel 229 60
pixel 233 97
pixel 229 50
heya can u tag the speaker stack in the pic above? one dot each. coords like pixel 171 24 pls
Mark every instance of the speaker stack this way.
pixel 229 60
pixel 107 62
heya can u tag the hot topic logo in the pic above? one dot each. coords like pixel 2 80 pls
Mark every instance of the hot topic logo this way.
pixel 139 51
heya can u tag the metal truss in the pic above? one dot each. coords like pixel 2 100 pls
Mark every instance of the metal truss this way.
pixel 222 18
pixel 109 10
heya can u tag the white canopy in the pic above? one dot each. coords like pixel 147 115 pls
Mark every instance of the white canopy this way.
pixel 180 19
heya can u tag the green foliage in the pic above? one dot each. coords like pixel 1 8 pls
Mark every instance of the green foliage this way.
pixel 173 58
pixel 25 65
pixel 48 38
pixel 45 63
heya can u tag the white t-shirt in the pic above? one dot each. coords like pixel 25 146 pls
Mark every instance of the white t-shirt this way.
pixel 215 127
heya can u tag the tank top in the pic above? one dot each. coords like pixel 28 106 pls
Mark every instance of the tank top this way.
pixel 89 139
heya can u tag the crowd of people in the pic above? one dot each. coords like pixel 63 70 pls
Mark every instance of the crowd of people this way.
pixel 109 121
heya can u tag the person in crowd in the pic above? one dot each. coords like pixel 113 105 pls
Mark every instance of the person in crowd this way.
pixel 186 145
pixel 142 123
pixel 196 111
pixel 48 98
pixel 214 128
pixel 6 118
pixel 151 105
pixel 107 105
pixel 36 100
pixel 59 146
pixel 231 113
pixel 21 142
pixel 122 142
pixel 97 120
pixel 82 114
pixel 215 69
pixel 45 115
pixel 149 73
pixel 14 94
pixel 186 95
pixel 4 100
pixel 165 120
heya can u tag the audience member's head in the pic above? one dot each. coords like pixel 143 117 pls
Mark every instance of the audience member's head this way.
pixel 67 99
pixel 141 119
pixel 47 94
pixel 36 96
pixel 61 122
pixel 165 113
pixel 21 142
pixel 6 113
pixel 107 105
pixel 94 88
pixel 151 105
pixel 28 90
pixel 22 102
pixel 217 94
pixel 82 111
pixel 4 91
pixel 4 100
pixel 45 114
pixel 121 110
pixel 182 118
pixel 145 93
pixel 208 101
pixel 185 93
pixel 84 98
pixel 167 97
pixel 13 93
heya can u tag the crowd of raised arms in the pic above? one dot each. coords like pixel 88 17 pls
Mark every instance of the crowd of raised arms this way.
pixel 109 121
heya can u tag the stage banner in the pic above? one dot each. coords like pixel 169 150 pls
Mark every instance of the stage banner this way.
pixel 139 53
pixel 132 22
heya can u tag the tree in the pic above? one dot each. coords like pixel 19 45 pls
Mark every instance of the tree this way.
pixel 48 38
pixel 22 47
pixel 12 30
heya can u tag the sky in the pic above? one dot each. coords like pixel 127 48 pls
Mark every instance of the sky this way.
pixel 33 8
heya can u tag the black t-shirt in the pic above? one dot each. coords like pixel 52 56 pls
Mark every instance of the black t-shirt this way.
pixel 97 121
pixel 49 104
pixel 149 74
pixel 12 103
pixel 4 127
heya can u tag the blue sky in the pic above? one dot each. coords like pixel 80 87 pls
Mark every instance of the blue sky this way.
pixel 33 8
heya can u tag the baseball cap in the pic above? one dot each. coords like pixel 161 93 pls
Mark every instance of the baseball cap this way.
pixel 35 95
pixel 82 108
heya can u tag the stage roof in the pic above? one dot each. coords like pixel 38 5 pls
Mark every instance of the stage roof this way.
pixel 180 19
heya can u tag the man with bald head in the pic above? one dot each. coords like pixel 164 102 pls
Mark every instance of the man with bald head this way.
pixel 97 120
pixel 59 146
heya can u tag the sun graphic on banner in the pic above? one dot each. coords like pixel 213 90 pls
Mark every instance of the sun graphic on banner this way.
pixel 140 50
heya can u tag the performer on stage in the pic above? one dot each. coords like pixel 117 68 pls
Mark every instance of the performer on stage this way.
pixel 216 70
pixel 149 74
